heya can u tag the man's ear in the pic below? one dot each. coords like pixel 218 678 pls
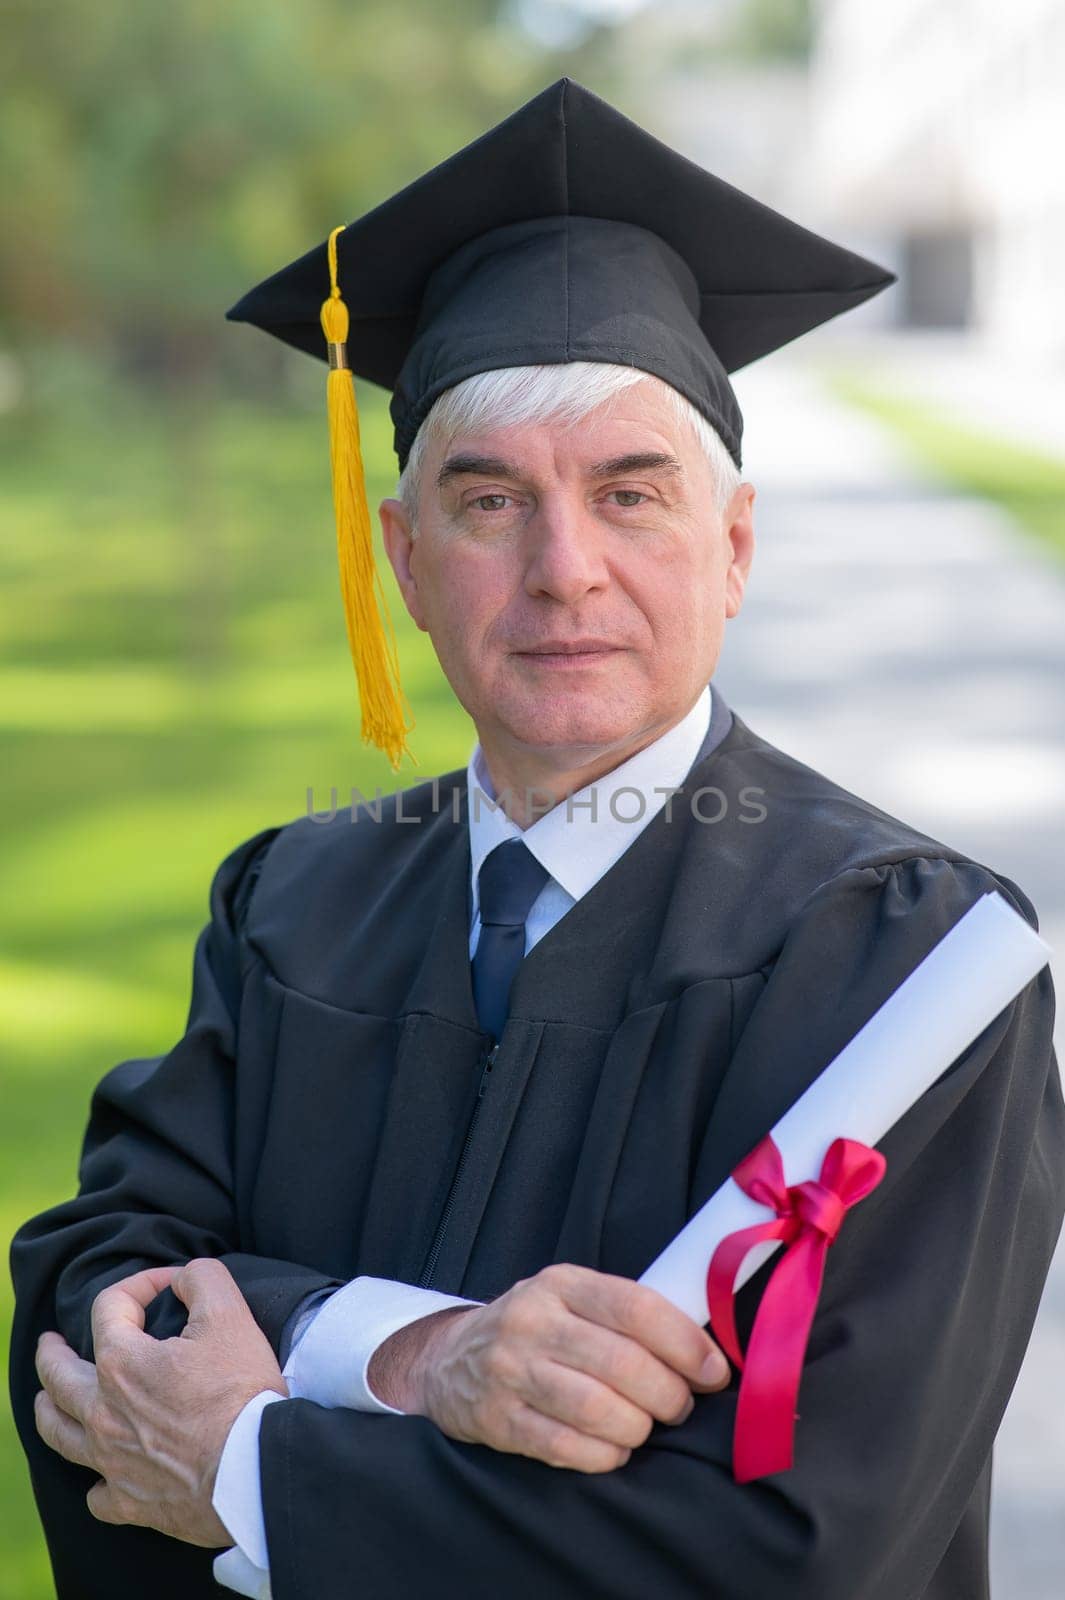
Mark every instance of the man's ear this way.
pixel 399 546
pixel 738 531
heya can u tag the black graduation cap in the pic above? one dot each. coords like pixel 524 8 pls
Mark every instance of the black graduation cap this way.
pixel 565 233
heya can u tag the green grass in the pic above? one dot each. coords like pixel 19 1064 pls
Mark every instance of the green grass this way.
pixel 1027 484
pixel 174 674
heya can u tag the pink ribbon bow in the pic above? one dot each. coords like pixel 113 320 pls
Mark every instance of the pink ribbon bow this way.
pixel 809 1216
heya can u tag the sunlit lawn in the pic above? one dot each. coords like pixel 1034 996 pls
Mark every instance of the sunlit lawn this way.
pixel 175 674
pixel 1028 484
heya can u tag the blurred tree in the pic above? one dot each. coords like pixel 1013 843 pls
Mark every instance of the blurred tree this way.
pixel 773 30
pixel 158 158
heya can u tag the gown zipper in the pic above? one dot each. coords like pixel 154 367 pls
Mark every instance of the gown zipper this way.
pixel 438 1237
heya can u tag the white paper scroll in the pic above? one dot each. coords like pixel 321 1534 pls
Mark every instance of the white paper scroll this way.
pixel 934 1015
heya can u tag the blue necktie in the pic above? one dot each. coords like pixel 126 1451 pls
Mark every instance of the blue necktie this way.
pixel 507 884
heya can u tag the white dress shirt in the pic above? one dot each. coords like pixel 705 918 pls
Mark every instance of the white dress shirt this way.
pixel 577 841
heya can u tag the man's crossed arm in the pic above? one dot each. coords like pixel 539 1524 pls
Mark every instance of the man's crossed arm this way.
pixel 572 1367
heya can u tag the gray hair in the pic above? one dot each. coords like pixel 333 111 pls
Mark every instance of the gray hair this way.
pixel 567 390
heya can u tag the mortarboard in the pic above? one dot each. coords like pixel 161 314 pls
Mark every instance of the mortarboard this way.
pixel 564 233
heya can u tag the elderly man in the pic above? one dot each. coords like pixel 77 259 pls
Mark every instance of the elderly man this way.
pixel 459 1065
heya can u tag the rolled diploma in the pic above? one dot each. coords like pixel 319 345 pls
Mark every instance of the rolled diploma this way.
pixel 934 1015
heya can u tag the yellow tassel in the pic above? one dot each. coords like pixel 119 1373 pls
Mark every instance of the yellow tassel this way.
pixel 375 657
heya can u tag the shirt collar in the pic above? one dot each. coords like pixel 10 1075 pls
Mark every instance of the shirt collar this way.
pixel 576 850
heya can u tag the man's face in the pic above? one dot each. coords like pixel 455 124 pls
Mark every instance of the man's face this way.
pixel 604 535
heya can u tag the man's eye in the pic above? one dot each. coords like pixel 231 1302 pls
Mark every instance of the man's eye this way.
pixel 627 499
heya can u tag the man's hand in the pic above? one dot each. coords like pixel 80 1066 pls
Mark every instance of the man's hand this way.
pixel 152 1415
pixel 571 1366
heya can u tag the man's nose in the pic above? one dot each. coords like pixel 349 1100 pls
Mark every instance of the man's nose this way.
pixel 566 551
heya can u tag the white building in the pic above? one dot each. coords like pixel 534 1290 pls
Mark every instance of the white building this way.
pixel 942 123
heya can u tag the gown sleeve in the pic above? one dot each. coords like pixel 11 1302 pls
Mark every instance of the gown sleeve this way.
pixel 156 1186
pixel 156 1181
pixel 929 1297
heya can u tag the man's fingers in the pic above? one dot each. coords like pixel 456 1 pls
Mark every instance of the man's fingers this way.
pixel 121 1306
pixel 645 1315
pixel 543 1438
pixel 204 1285
pixel 60 1431
pixel 69 1381
pixel 105 1505
pixel 624 1364
pixel 585 1403
pixel 208 1288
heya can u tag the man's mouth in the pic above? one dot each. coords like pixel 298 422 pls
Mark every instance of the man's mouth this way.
pixel 568 650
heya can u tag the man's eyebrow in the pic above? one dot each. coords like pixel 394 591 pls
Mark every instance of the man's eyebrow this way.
pixel 464 466
pixel 495 467
pixel 640 461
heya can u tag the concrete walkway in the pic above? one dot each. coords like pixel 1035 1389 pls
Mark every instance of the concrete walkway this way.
pixel 911 645
pixel 963 378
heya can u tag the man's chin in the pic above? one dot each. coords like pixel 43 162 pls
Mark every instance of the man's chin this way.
pixel 569 737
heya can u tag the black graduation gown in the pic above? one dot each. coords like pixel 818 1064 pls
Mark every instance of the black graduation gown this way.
pixel 314 1123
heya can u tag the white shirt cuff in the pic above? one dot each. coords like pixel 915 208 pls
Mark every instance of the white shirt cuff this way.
pixel 333 1344
pixel 332 1352
pixel 237 1496
pixel 233 1569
